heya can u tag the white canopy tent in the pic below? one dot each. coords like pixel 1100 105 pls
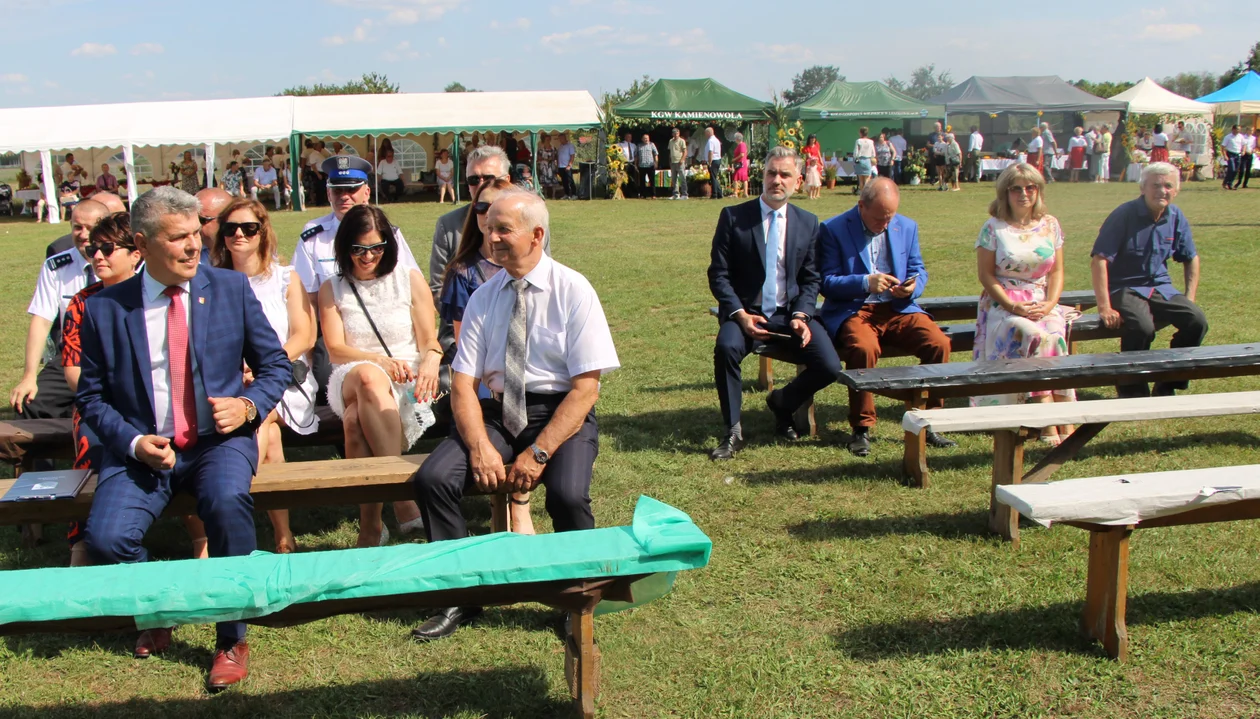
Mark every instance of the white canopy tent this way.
pixel 126 126
pixel 1148 97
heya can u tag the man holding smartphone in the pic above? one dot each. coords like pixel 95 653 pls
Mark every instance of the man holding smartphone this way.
pixel 764 275
pixel 872 273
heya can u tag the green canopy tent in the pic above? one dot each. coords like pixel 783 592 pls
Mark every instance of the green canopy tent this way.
pixel 704 100
pixel 835 112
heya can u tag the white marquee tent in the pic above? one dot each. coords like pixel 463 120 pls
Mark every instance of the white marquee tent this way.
pixel 126 126
pixel 1149 97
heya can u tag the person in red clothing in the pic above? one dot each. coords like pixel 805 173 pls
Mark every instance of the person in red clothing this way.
pixel 114 258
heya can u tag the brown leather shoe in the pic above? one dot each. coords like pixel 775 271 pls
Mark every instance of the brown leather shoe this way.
pixel 152 641
pixel 229 667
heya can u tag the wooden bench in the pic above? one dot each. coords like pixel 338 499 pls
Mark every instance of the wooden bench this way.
pixel 1111 508
pixel 942 309
pixel 1013 424
pixel 917 384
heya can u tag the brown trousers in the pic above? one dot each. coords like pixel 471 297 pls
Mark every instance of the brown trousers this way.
pixel 863 336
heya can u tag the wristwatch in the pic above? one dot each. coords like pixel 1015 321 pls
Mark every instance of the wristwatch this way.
pixel 251 412
pixel 540 456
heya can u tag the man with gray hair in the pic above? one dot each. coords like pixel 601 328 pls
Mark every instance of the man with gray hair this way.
pixel 1130 271
pixel 1049 150
pixel 163 389
pixel 678 164
pixel 764 274
pixel 536 337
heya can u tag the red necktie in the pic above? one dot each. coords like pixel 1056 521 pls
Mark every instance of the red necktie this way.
pixel 182 401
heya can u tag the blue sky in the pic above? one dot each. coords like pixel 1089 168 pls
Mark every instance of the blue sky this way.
pixel 61 52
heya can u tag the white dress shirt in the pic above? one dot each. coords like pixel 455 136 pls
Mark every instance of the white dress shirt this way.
pixel 780 268
pixel 975 143
pixel 567 333
pixel 712 149
pixel 389 171
pixel 60 279
pixel 1233 143
pixel 156 308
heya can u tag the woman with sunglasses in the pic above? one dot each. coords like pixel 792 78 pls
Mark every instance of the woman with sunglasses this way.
pixel 1019 258
pixel 379 326
pixel 246 243
pixel 470 268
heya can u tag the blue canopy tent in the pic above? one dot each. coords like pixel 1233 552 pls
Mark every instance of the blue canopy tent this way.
pixel 1240 98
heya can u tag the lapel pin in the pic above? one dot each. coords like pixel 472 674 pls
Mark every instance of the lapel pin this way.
pixel 201 300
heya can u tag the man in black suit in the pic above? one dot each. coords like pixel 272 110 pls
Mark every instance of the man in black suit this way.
pixel 764 275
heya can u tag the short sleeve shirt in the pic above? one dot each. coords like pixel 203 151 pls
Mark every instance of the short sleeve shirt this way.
pixel 567 332
pixel 71 340
pixel 60 279
pixel 565 154
pixel 1137 248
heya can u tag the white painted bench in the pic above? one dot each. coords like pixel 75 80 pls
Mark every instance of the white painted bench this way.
pixel 1013 424
pixel 1110 508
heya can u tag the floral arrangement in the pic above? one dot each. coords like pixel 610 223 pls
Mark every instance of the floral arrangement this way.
pixel 1140 157
pixel 698 173
pixel 174 168
pixel 23 179
pixel 915 163
pixel 830 173
pixel 616 172
pixel 791 136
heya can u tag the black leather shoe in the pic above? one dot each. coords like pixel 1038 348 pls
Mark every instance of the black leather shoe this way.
pixel 940 441
pixel 783 425
pixel 860 445
pixel 444 623
pixel 727 448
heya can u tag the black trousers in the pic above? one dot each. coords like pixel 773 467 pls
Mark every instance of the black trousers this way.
pixel 1141 318
pixel 53 400
pixel 566 178
pixel 715 176
pixel 647 182
pixel 393 190
pixel 1244 169
pixel 822 366
pixel 445 476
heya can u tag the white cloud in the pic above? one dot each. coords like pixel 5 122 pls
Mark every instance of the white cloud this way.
pixel 520 23
pixel 441 42
pixel 1154 14
pixel 405 12
pixel 359 34
pixel 334 41
pixel 12 78
pixel 92 49
pixel 562 42
pixel 1171 31
pixel 401 51
pixel 608 41
pixel 147 48
pixel 794 53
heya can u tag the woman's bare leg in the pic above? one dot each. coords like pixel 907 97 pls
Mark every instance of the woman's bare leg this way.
pixel 379 430
pixel 271 451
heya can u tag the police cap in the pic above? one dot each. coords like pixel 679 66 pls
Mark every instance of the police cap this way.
pixel 346 170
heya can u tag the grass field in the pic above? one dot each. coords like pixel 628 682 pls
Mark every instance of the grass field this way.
pixel 833 590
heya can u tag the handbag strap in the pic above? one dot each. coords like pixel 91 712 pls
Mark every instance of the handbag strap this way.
pixel 371 322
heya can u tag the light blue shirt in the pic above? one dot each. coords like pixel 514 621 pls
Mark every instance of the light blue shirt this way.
pixel 565 155
pixel 880 258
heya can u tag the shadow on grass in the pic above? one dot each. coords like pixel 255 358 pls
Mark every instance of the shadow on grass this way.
pixel 945 526
pixel 520 691
pixel 122 644
pixel 1052 627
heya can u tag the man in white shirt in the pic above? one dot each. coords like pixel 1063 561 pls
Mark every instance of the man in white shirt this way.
pixel 713 158
pixel 565 155
pixel 266 180
pixel 536 337
pixel 1246 158
pixel 1233 145
pixel 390 175
pixel 71 171
pixel 630 152
pixel 975 145
pixel 1049 150
pixel 899 145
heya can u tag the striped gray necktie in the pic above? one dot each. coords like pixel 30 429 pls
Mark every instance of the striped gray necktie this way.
pixel 514 365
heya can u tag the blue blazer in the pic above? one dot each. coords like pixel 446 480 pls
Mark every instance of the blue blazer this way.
pixel 844 270
pixel 737 266
pixel 115 395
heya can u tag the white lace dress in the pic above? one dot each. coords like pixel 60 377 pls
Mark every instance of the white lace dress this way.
pixel 388 298
pixel 297 406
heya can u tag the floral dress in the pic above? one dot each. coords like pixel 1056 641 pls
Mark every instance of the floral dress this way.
pixel 188 180
pixel 1025 258
pixel 547 165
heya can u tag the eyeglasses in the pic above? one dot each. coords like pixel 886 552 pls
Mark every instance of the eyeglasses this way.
pixel 475 180
pixel 105 248
pixel 1022 189
pixel 248 228
pixel 363 250
pixel 206 220
pixel 481 208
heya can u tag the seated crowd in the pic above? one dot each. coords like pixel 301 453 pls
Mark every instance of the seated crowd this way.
pixel 186 343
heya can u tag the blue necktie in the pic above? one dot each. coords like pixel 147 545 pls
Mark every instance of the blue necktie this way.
pixel 770 288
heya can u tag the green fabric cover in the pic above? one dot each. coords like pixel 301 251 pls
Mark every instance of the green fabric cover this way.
pixel 661 539
pixel 699 100
pixel 861 100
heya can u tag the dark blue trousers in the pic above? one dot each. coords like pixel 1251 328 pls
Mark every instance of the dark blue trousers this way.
pixel 129 498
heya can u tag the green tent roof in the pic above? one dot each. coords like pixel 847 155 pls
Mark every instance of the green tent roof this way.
pixel 856 100
pixel 702 100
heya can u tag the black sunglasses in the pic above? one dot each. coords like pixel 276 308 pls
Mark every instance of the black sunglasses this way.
pixel 206 220
pixel 481 208
pixel 106 248
pixel 249 228
pixel 476 180
pixel 361 250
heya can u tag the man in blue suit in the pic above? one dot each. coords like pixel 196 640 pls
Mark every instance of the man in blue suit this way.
pixel 872 273
pixel 162 387
pixel 764 275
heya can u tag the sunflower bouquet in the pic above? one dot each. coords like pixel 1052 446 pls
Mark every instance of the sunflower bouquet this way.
pixel 791 136
pixel 617 175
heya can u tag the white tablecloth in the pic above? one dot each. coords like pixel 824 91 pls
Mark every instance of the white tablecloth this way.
pixel 24 195
pixel 995 165
pixel 1129 499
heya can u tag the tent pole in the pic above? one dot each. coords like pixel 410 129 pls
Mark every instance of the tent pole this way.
pixel 376 179
pixel 533 155
pixel 458 180
pixel 129 167
pixel 209 164
pixel 50 187
pixel 296 199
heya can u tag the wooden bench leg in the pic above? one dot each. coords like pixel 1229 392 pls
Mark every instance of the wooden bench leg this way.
pixel 765 374
pixel 805 417
pixel 32 534
pixel 500 519
pixel 914 458
pixel 1106 590
pixel 1008 468
pixel 582 664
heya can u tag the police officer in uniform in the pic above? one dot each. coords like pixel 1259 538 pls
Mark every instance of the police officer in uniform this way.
pixel 315 260
pixel 43 393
